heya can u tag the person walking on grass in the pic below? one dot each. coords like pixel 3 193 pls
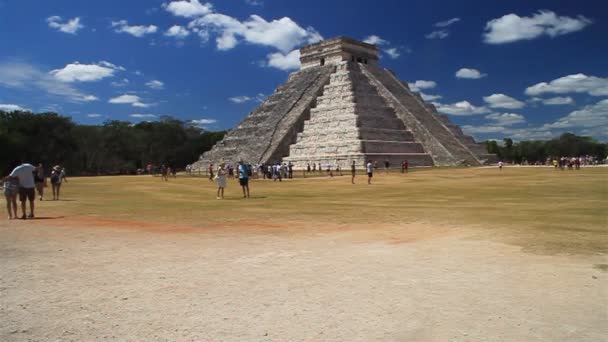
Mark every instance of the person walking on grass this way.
pixel 39 180
pixel 56 182
pixel 353 172
pixel 221 181
pixel 370 172
pixel 210 169
pixel 11 190
pixel 244 178
pixel 27 192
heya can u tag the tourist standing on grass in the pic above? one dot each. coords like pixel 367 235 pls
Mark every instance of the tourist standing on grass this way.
pixel 164 172
pixel 221 181
pixel 406 164
pixel 386 165
pixel 308 168
pixel 314 167
pixel 39 180
pixel 500 165
pixel 11 190
pixel 244 178
pixel 353 172
pixel 27 192
pixel 320 168
pixel 370 171
pixel 290 168
pixel 56 181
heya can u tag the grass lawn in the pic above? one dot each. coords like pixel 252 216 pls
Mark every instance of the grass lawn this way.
pixel 539 209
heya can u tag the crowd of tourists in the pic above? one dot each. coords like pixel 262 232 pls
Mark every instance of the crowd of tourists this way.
pixel 24 181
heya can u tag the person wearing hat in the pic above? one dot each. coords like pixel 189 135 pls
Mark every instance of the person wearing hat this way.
pixel 220 179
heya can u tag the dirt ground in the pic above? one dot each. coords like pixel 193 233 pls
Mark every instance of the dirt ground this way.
pixel 87 279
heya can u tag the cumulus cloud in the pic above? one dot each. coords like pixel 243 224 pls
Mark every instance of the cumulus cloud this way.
pixel 254 2
pixel 283 34
pixel 391 52
pixel 71 26
pixel 131 99
pixel 592 116
pixel 440 34
pixel 471 130
pixel 557 101
pixel 282 61
pixel 155 84
pixel 511 27
pixel 22 75
pixel 374 40
pixel 121 83
pixel 577 83
pixel 239 99
pixel 506 119
pixel 122 26
pixel 143 116
pixel 503 101
pixel 447 22
pixel 469 74
pixel 76 72
pixel 422 84
pixel 188 9
pixel 11 107
pixel 427 97
pixel 462 108
pixel 93 115
pixel 177 31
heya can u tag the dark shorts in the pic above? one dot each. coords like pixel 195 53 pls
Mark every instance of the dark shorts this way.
pixel 244 181
pixel 370 174
pixel 26 193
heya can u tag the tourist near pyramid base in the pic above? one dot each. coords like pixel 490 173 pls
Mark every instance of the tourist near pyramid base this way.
pixel 342 107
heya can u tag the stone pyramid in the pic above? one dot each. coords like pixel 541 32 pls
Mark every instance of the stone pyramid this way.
pixel 342 107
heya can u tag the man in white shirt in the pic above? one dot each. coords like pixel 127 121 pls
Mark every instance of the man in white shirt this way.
pixel 25 173
pixel 370 171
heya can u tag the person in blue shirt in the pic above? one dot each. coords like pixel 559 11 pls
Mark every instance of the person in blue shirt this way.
pixel 244 178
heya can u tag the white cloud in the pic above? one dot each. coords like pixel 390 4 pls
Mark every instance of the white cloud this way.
pixel 556 101
pixel 203 121
pixel 392 53
pixel 122 26
pixel 577 83
pixel 427 97
pixel 131 99
pixel 506 119
pixel 188 9
pixel 511 27
pixel 178 32
pixel 283 34
pixel 121 83
pixel 421 84
pixel 468 129
pixel 85 72
pixel 143 116
pixel 239 99
pixel 592 116
pixel 71 26
pixel 11 107
pixel 447 22
pixel 22 75
pixel 441 34
pixel 94 115
pixel 469 74
pixel 503 101
pixel 155 84
pixel 461 108
pixel 375 40
pixel 290 61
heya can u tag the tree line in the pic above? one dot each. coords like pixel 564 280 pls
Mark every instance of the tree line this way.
pixel 115 147
pixel 533 151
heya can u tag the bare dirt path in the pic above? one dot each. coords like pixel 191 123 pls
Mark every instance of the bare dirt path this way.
pixel 80 280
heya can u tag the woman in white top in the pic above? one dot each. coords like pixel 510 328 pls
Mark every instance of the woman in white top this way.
pixel 220 178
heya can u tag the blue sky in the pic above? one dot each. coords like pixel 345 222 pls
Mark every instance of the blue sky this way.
pixel 519 69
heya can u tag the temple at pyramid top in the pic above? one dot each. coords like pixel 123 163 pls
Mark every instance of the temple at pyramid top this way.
pixel 336 50
pixel 343 107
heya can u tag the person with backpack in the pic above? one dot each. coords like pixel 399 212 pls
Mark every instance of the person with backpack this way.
pixel 244 178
